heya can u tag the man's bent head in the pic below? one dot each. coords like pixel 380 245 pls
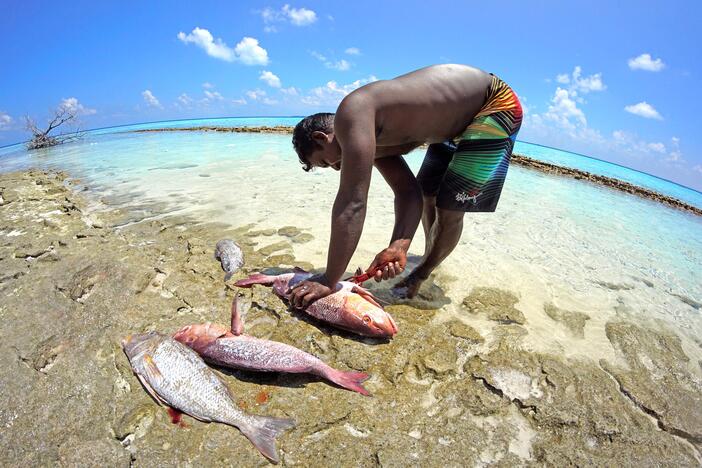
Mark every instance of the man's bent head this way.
pixel 310 135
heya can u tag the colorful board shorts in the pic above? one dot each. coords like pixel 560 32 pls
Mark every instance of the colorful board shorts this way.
pixel 468 176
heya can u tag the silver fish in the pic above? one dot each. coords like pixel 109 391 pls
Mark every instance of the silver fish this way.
pixel 230 256
pixel 177 377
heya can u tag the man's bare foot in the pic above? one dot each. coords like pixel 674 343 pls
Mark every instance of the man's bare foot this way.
pixel 408 287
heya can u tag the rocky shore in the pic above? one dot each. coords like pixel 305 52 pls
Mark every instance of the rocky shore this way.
pixel 519 159
pixel 74 281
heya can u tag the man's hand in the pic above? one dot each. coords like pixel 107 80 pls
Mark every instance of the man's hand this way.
pixel 306 292
pixel 395 259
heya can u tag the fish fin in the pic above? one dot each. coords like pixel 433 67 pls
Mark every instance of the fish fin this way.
pixel 299 270
pixel 237 321
pixel 228 276
pixel 150 390
pixel 256 278
pixel 367 295
pixel 348 380
pixel 262 434
pixel 359 271
pixel 151 368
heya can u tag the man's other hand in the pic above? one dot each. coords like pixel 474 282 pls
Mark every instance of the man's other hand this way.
pixel 306 292
pixel 388 263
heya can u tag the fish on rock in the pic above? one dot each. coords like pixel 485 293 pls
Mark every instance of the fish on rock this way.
pixel 230 348
pixel 349 307
pixel 230 256
pixel 176 376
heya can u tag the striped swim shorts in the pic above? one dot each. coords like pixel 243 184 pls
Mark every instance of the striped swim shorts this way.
pixel 469 175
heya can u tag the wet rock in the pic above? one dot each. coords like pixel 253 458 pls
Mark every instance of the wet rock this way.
pixel 658 380
pixel 280 260
pixel 496 304
pixel 269 249
pixel 289 231
pixel 573 321
pixel 303 238
pixel 461 330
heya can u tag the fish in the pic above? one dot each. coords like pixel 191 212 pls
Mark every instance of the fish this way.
pixel 349 307
pixel 176 376
pixel 231 348
pixel 230 256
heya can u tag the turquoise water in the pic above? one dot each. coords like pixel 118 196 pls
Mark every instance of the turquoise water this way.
pixel 542 153
pixel 552 240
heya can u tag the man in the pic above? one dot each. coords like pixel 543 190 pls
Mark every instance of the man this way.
pixel 469 117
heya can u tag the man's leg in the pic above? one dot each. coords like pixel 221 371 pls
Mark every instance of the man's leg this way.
pixel 444 236
pixel 428 218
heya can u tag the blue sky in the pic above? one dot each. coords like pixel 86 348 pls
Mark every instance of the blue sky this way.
pixel 615 80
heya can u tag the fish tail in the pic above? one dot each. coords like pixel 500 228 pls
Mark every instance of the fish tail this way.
pixel 348 380
pixel 228 276
pixel 263 431
pixel 256 278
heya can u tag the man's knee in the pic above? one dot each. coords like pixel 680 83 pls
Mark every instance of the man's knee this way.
pixel 449 217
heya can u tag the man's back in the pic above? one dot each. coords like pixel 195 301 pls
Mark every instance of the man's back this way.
pixel 432 104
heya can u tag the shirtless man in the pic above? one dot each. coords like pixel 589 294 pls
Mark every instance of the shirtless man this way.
pixel 470 119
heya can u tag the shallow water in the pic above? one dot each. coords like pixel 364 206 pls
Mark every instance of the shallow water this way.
pixel 552 240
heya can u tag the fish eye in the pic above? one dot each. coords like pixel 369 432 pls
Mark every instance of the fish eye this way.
pixel 367 320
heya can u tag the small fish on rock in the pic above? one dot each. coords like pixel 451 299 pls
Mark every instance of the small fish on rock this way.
pixel 230 256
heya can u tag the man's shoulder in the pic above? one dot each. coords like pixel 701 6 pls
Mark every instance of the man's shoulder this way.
pixel 357 105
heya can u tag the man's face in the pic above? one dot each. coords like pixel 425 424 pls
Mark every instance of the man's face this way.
pixel 327 153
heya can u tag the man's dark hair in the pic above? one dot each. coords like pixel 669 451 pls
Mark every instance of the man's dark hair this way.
pixel 302 135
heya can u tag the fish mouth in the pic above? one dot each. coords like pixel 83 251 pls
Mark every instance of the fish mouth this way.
pixel 388 327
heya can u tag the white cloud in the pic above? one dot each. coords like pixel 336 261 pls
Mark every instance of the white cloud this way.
pixel 204 39
pixel 577 83
pixel 296 16
pixel 291 91
pixel 213 96
pixel 72 105
pixel 5 121
pixel 185 100
pixel 644 109
pixel 255 94
pixel 271 79
pixel 657 147
pixel 353 51
pixel 207 85
pixel 150 99
pixel 250 53
pixel 698 168
pixel 341 65
pixel 247 51
pixel 269 101
pixel 646 62
pixel 564 110
pixel 239 101
pixel 332 93
pixel 300 16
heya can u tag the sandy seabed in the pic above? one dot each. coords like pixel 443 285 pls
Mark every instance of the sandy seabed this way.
pixel 74 281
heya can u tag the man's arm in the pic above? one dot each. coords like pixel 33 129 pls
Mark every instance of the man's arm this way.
pixel 408 212
pixel 408 198
pixel 356 135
